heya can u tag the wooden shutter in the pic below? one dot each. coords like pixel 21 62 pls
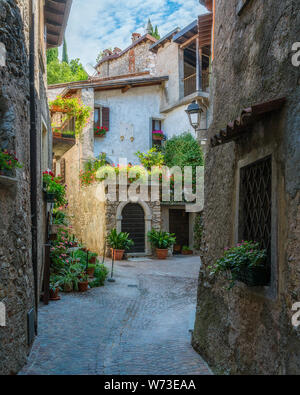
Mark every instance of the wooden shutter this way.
pixel 105 117
pixel 63 170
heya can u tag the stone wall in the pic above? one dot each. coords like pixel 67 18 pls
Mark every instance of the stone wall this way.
pixel 137 59
pixel 249 330
pixel 17 289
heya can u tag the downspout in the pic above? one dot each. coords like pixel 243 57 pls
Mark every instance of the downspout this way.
pixel 33 156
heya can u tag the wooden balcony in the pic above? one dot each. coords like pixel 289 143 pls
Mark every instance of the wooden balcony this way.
pixel 190 83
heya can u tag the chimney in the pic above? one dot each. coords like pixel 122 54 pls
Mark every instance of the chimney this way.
pixel 136 36
pixel 117 50
pixel 107 52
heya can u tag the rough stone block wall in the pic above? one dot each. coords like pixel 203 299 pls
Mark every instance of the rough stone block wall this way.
pixel 136 60
pixel 245 330
pixel 16 275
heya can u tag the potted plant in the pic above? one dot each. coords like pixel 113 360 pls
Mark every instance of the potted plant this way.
pixel 83 283
pixel 162 241
pixel 8 162
pixel 158 135
pixel 119 243
pixel 54 288
pixel 68 281
pixel 55 192
pixel 91 270
pixel 186 250
pixel 246 262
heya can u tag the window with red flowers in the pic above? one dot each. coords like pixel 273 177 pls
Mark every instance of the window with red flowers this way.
pixel 101 117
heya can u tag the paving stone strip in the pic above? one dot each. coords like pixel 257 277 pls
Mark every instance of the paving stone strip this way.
pixel 136 326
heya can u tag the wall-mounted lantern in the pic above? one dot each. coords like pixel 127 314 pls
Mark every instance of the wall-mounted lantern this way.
pixel 194 112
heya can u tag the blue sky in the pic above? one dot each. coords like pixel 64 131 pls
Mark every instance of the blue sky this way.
pixel 95 25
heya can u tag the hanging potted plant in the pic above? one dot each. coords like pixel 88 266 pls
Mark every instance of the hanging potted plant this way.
pixel 158 135
pixel 162 241
pixel 100 131
pixel 8 163
pixel 55 192
pixel 246 262
pixel 119 243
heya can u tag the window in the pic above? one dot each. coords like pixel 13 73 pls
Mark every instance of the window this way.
pixel 101 117
pixel 45 149
pixel 256 203
pixel 156 125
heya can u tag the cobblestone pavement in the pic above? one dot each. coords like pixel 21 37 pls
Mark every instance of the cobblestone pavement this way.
pixel 137 325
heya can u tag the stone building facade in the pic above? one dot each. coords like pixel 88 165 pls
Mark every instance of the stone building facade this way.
pixel 249 330
pixel 136 101
pixel 25 128
pixel 134 59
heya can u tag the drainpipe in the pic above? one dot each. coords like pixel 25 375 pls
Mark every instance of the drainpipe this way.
pixel 33 157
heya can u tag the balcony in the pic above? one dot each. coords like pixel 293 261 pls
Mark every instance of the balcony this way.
pixel 190 83
pixel 64 138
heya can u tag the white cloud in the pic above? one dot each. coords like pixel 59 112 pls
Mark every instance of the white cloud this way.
pixel 96 25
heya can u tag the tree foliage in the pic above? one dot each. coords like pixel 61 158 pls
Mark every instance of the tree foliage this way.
pixel 65 57
pixel 52 55
pixel 60 72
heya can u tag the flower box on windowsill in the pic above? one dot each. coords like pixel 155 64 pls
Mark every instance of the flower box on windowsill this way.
pixel 158 137
pixel 258 276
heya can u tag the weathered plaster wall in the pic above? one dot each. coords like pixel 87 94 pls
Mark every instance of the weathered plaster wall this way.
pixel 246 330
pixel 130 116
pixel 169 61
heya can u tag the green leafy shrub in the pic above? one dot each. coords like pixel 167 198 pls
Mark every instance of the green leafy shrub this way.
pixel 161 240
pixel 183 150
pixel 151 158
pixel 119 241
pixel 100 275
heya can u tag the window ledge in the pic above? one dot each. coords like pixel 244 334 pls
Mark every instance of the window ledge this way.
pixel 7 181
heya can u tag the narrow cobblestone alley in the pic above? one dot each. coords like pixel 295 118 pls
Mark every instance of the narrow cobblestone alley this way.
pixel 138 325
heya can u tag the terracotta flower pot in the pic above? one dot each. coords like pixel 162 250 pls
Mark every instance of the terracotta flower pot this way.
pixel 118 254
pixel 161 254
pixel 90 272
pixel 187 252
pixel 93 260
pixel 83 286
pixel 54 294
pixel 68 288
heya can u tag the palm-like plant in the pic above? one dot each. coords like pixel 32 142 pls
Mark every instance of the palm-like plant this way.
pixel 161 240
pixel 119 241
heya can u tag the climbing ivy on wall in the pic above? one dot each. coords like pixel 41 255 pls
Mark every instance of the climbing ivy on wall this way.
pixel 198 231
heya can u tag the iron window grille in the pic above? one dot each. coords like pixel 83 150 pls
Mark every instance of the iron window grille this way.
pixel 256 204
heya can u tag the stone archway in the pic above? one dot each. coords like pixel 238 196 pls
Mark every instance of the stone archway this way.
pixel 148 223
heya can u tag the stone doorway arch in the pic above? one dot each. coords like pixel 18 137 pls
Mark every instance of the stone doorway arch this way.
pixel 147 223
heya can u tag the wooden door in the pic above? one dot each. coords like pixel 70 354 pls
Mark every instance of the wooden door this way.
pixel 133 222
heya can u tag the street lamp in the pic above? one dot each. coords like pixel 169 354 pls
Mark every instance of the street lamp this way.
pixel 194 112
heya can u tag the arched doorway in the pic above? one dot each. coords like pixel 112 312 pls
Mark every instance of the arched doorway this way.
pixel 133 222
